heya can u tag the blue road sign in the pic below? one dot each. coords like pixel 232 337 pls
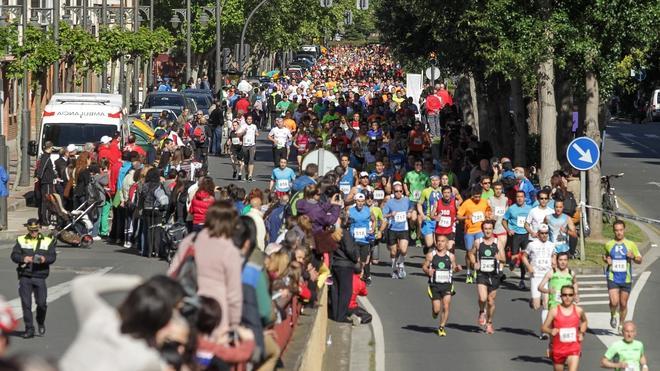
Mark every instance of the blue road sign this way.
pixel 583 153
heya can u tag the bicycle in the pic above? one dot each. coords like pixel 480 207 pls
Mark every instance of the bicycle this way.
pixel 610 201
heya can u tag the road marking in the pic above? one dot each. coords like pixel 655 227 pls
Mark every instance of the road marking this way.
pixel 379 337
pixel 592 283
pixel 54 293
pixel 598 302
pixel 657 184
pixel 601 295
pixel 654 136
pixel 632 300
pixel 590 288
pixel 631 138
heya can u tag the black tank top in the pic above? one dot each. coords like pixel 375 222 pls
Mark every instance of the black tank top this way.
pixel 442 266
pixel 487 255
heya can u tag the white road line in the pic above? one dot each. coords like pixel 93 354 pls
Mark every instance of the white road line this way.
pixel 601 295
pixel 379 337
pixel 591 289
pixel 654 136
pixel 598 302
pixel 592 283
pixel 54 293
pixel 590 276
pixel 632 300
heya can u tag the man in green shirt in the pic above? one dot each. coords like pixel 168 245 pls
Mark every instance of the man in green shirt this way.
pixel 626 354
pixel 283 105
pixel 414 183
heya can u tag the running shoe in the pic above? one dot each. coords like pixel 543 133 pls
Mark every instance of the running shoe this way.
pixel 453 292
pixel 482 318
pixel 489 329
pixel 522 286
pixel 468 278
pixel 234 175
pixel 428 291
pixel 355 319
pixel 402 272
pixel 329 281
pixel 250 179
pixel 367 280
pixel 441 331
pixel 613 320
pixel 395 275
pixel 543 336
pixel 620 330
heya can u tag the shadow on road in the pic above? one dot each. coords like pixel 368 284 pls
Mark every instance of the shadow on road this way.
pixel 532 359
pixel 517 331
pixel 422 329
pixel 465 328
pixel 600 331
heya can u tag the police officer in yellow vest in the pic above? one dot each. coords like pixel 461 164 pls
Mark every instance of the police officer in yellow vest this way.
pixel 33 253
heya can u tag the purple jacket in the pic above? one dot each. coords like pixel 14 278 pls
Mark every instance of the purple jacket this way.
pixel 320 213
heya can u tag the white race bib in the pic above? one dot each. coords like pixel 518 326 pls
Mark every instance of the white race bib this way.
pixel 445 221
pixel 619 265
pixel 477 217
pixel 631 367
pixel 280 142
pixel 248 141
pixel 416 194
pixel 235 141
pixel 520 221
pixel 568 335
pixel 400 217
pixel 487 265
pixel 442 276
pixel 301 147
pixel 283 184
pixel 360 233
pixel 379 194
pixel 417 141
pixel 499 211
pixel 344 188
pixel 543 264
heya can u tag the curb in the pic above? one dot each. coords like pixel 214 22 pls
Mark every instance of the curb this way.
pixel 10 235
pixel 315 344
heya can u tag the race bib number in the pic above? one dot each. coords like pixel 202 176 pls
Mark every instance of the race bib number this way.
pixel 568 335
pixel 400 217
pixel 302 147
pixel 379 194
pixel 417 141
pixel 248 141
pixel 416 194
pixel 442 276
pixel 283 184
pixel 543 264
pixel 445 221
pixel 520 221
pixel 360 233
pixel 619 265
pixel 372 137
pixel 345 188
pixel 280 142
pixel 630 367
pixel 499 211
pixel 478 217
pixel 235 141
pixel 487 265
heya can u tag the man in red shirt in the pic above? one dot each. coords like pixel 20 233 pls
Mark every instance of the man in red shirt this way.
pixel 356 313
pixel 446 98
pixel 433 107
pixel 243 105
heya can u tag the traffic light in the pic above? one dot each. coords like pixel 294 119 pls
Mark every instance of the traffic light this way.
pixel 226 53
pixel 348 18
pixel 362 4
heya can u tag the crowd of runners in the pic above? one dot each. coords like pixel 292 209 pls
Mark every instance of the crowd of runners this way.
pixel 411 175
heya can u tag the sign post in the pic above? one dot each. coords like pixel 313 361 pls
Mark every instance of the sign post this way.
pixel 583 154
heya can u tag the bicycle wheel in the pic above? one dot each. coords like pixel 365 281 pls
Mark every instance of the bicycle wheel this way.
pixel 608 205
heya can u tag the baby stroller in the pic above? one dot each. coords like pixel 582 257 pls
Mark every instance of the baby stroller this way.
pixel 72 227
pixel 172 234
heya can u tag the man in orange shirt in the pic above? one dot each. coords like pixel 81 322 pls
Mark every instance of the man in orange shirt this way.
pixel 473 212
pixel 289 122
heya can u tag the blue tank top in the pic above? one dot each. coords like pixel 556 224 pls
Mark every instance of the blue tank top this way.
pixel 359 223
pixel 346 181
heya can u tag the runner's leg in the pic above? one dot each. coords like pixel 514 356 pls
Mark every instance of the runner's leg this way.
pixel 623 306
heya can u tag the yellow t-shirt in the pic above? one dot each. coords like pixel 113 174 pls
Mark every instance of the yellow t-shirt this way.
pixel 475 213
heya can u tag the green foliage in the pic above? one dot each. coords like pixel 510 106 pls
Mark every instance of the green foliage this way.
pixel 34 54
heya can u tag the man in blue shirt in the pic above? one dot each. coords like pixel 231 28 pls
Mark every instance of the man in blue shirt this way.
pixel 308 179
pixel 282 178
pixel 525 185
pixel 362 223
pixel 513 222
pixel 397 212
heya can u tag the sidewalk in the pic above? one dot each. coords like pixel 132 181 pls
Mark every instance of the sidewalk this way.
pixel 17 213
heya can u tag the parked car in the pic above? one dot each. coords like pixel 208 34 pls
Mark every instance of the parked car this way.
pixel 653 108
pixel 155 113
pixel 202 97
pixel 174 101
pixel 304 62
pixel 295 71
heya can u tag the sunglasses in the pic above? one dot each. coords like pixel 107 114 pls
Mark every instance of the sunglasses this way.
pixel 484 183
pixel 567 295
pixel 543 233
pixel 543 198
pixel 398 191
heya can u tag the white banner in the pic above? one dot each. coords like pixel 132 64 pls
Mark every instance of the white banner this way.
pixel 414 83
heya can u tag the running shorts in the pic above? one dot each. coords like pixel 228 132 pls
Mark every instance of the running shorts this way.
pixel 621 286
pixel 469 239
pixel 364 251
pixel 395 236
pixel 237 152
pixel 519 243
pixel 438 291
pixel 534 283
pixel 248 154
pixel 428 227
pixel 490 280
pixel 560 358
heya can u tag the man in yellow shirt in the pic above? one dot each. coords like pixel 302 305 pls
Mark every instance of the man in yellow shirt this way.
pixel 473 212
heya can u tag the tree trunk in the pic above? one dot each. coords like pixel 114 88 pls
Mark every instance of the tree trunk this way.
pixel 463 98
pixel 519 125
pixel 481 93
pixel 506 131
pixel 475 107
pixel 565 118
pixel 593 132
pixel 533 115
pixel 548 110
pixel 113 77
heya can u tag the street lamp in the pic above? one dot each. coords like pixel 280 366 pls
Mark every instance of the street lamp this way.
pixel 247 21
pixel 185 15
pixel 147 15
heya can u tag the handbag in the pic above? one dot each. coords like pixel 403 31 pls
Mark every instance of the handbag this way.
pixel 325 241
pixel 68 188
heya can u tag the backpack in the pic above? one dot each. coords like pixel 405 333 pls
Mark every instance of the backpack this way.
pixel 199 136
pixel 148 198
pixel 290 209
pixel 132 195
pixel 95 192
pixel 570 204
pixel 186 275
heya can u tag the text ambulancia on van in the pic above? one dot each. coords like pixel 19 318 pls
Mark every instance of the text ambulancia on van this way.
pixel 79 118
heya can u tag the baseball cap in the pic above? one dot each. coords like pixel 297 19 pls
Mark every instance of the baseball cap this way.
pixel 435 176
pixel 105 139
pixel 543 228
pixel 32 224
pixel 363 174
pixel 272 248
pixel 359 197
pixel 71 148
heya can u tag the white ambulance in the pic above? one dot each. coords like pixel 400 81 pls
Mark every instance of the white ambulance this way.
pixel 79 118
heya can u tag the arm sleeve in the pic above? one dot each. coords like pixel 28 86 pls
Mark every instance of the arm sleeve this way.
pixel 86 290
pixel 51 255
pixel 17 254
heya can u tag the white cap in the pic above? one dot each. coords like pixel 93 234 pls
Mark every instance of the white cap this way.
pixel 543 228
pixel 272 248
pixel 71 148
pixel 359 197
pixel 397 183
pixel 363 174
pixel 106 139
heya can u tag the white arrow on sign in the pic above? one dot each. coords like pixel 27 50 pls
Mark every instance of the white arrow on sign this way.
pixel 584 155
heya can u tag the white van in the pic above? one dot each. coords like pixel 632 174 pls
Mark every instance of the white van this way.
pixel 79 118
pixel 653 108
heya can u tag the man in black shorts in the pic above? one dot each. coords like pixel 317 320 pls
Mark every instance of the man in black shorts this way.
pixel 439 265
pixel 513 222
pixel 487 258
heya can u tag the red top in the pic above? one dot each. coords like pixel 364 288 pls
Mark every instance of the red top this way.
pixel 359 289
pixel 132 147
pixel 302 141
pixel 243 105
pixel 416 141
pixel 113 154
pixel 199 205
pixel 433 104
pixel 566 341
pixel 446 98
pixel 447 217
